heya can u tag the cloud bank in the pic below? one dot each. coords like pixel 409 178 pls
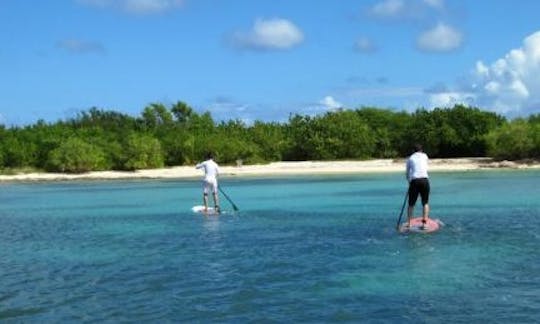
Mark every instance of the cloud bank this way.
pixel 510 85
pixel 269 34
pixel 388 9
pixel 330 103
pixel 441 38
pixel 405 10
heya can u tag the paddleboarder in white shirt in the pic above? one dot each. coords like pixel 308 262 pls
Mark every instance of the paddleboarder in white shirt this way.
pixel 417 175
pixel 210 183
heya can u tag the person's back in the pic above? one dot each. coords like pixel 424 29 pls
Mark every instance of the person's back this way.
pixel 211 169
pixel 210 183
pixel 417 166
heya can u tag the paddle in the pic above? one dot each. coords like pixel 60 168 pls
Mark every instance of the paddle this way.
pixel 402 209
pixel 229 199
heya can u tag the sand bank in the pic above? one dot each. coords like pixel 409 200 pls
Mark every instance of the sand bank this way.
pixel 280 168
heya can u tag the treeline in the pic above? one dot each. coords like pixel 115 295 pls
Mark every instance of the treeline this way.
pixel 168 136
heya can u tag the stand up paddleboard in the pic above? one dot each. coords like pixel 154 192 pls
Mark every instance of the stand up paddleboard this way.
pixel 199 209
pixel 432 225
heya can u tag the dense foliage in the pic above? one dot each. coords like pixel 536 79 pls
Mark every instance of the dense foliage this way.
pixel 165 136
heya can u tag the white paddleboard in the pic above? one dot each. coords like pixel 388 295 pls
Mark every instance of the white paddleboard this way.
pixel 199 209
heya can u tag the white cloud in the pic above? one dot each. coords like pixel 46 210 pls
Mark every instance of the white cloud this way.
pixel 139 7
pixel 450 98
pixel 388 9
pixel 150 6
pixel 437 4
pixel 511 82
pixel 80 46
pixel 441 38
pixel 330 103
pixel 365 45
pixel 270 34
pixel 509 85
pixel 406 10
pixel 415 13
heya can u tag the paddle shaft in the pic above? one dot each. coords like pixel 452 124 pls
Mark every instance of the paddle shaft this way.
pixel 229 199
pixel 402 208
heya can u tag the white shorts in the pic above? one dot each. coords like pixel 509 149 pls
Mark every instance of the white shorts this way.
pixel 209 185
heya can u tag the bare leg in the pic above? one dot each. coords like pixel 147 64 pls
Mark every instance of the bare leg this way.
pixel 425 212
pixel 205 200
pixel 216 201
pixel 409 214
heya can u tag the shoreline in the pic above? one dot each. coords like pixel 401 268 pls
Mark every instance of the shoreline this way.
pixel 281 169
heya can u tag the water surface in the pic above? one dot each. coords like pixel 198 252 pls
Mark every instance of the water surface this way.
pixel 301 249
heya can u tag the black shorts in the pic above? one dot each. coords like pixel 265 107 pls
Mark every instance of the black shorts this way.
pixel 419 186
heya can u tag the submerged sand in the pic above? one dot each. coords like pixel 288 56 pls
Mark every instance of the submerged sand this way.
pixel 281 168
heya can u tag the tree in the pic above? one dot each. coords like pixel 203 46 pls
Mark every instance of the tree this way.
pixel 155 115
pixel 102 139
pixel 271 139
pixel 18 149
pixel 106 119
pixel 452 132
pixel 182 112
pixel 512 141
pixel 463 130
pixel 389 129
pixel 534 125
pixel 298 129
pixel 335 135
pixel 142 151
pixel 178 146
pixel 76 156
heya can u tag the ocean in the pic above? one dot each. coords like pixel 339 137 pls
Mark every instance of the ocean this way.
pixel 316 249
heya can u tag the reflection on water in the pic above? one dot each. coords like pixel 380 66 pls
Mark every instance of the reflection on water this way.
pixel 211 224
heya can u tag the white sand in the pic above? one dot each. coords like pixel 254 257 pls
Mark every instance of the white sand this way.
pixel 278 168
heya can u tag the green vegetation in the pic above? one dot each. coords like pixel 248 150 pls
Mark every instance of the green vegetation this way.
pixel 75 155
pixel 519 139
pixel 166 136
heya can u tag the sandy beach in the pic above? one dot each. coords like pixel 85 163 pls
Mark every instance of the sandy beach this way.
pixel 281 168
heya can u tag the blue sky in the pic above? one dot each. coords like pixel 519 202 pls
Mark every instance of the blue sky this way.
pixel 266 59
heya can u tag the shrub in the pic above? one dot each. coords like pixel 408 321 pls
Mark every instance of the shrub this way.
pixel 76 156
pixel 142 152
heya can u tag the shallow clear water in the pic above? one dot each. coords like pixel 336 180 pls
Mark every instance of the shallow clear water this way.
pixel 302 249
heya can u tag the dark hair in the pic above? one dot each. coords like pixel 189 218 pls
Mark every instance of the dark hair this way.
pixel 209 155
pixel 418 147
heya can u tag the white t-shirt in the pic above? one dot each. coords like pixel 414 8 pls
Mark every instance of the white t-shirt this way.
pixel 211 170
pixel 417 166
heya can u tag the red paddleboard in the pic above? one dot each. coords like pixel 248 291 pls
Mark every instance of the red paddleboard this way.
pixel 432 225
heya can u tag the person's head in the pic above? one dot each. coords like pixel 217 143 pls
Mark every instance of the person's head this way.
pixel 209 156
pixel 418 147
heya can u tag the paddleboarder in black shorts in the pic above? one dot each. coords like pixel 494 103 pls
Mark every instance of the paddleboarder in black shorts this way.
pixel 417 175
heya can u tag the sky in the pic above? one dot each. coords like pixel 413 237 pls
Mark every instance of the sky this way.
pixel 266 59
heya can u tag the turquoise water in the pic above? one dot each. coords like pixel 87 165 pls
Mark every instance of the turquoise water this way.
pixel 301 249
